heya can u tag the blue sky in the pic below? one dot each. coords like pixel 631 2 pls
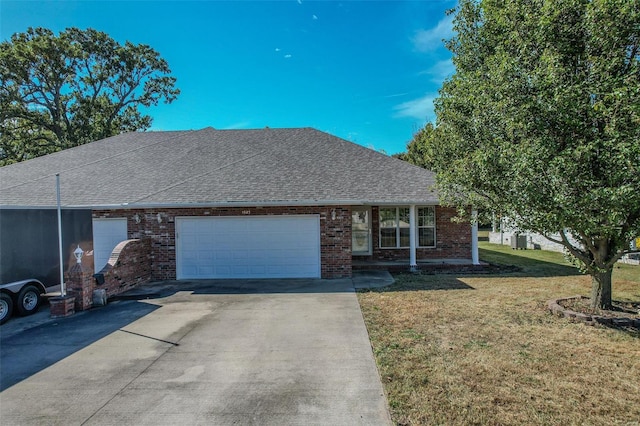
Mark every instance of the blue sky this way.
pixel 366 71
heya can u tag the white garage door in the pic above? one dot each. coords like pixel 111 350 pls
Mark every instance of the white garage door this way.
pixel 107 234
pixel 248 247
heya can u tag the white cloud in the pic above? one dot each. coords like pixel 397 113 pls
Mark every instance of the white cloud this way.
pixel 237 125
pixel 440 70
pixel 395 95
pixel 431 39
pixel 421 108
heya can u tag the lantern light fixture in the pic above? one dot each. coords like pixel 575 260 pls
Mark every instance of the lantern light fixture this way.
pixel 78 252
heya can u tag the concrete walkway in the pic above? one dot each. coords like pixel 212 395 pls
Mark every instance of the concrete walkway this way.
pixel 268 352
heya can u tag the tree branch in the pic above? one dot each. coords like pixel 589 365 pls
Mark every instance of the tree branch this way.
pixel 579 254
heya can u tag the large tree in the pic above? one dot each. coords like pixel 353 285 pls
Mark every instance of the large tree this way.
pixel 81 85
pixel 418 148
pixel 541 123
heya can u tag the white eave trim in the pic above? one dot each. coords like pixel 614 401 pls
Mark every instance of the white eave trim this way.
pixel 230 204
pixel 45 207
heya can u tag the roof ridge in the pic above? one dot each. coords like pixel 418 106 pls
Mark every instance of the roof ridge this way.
pixel 255 129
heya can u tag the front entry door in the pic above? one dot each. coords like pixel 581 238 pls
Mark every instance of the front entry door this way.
pixel 360 231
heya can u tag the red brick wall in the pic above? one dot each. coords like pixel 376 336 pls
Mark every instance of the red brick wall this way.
pixel 80 284
pixel 335 234
pixel 453 240
pixel 129 265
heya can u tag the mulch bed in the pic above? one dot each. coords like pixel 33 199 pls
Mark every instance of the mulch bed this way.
pixel 623 314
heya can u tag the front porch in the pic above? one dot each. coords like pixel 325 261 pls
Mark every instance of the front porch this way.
pixel 423 265
pixel 413 237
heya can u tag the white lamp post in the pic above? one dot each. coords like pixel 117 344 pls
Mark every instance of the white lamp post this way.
pixel 63 292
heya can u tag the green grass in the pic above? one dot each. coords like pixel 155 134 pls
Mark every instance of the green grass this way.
pixel 483 350
pixel 545 263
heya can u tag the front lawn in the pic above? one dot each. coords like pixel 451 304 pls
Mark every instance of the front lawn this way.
pixel 463 350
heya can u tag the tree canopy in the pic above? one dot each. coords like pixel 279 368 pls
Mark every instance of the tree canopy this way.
pixel 418 151
pixel 541 123
pixel 62 91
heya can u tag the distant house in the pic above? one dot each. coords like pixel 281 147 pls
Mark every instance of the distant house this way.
pixel 268 203
pixel 534 241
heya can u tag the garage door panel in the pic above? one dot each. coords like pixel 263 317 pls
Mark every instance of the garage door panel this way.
pixel 248 247
pixel 206 255
pixel 189 256
pixel 205 270
pixel 257 269
pixel 228 240
pixel 240 255
pixel 107 234
pixel 222 255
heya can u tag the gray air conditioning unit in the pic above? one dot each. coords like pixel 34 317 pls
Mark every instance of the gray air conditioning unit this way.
pixel 518 242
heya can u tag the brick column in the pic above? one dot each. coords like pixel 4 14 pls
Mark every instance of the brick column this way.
pixel 80 284
pixel 61 306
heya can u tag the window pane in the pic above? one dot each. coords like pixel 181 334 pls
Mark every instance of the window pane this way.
pixel 404 237
pixel 404 217
pixel 360 220
pixel 426 216
pixel 360 241
pixel 388 237
pixel 426 237
pixel 387 218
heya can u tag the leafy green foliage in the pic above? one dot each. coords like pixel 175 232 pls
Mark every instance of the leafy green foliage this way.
pixel 541 122
pixel 62 91
pixel 418 150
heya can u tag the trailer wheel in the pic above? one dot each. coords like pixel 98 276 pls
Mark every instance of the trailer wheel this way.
pixel 28 300
pixel 6 307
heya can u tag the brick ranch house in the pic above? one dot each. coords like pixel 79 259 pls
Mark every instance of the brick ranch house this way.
pixel 267 203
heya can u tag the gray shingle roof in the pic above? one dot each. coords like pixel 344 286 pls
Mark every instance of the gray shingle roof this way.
pixel 217 167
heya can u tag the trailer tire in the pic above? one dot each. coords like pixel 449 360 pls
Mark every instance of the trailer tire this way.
pixel 6 307
pixel 28 300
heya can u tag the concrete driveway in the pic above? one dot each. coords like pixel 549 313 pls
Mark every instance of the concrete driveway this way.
pixel 268 352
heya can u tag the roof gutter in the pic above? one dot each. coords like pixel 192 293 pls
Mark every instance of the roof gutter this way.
pixel 230 204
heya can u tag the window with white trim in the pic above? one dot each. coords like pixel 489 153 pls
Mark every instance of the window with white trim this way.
pixel 426 226
pixel 394 227
pixel 395 230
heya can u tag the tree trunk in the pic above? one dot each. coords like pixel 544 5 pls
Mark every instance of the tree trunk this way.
pixel 601 289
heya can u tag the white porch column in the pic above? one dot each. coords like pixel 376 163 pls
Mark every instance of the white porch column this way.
pixel 475 257
pixel 413 265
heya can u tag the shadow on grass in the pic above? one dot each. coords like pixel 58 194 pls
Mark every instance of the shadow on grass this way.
pixel 526 264
pixel 423 282
pixel 630 330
